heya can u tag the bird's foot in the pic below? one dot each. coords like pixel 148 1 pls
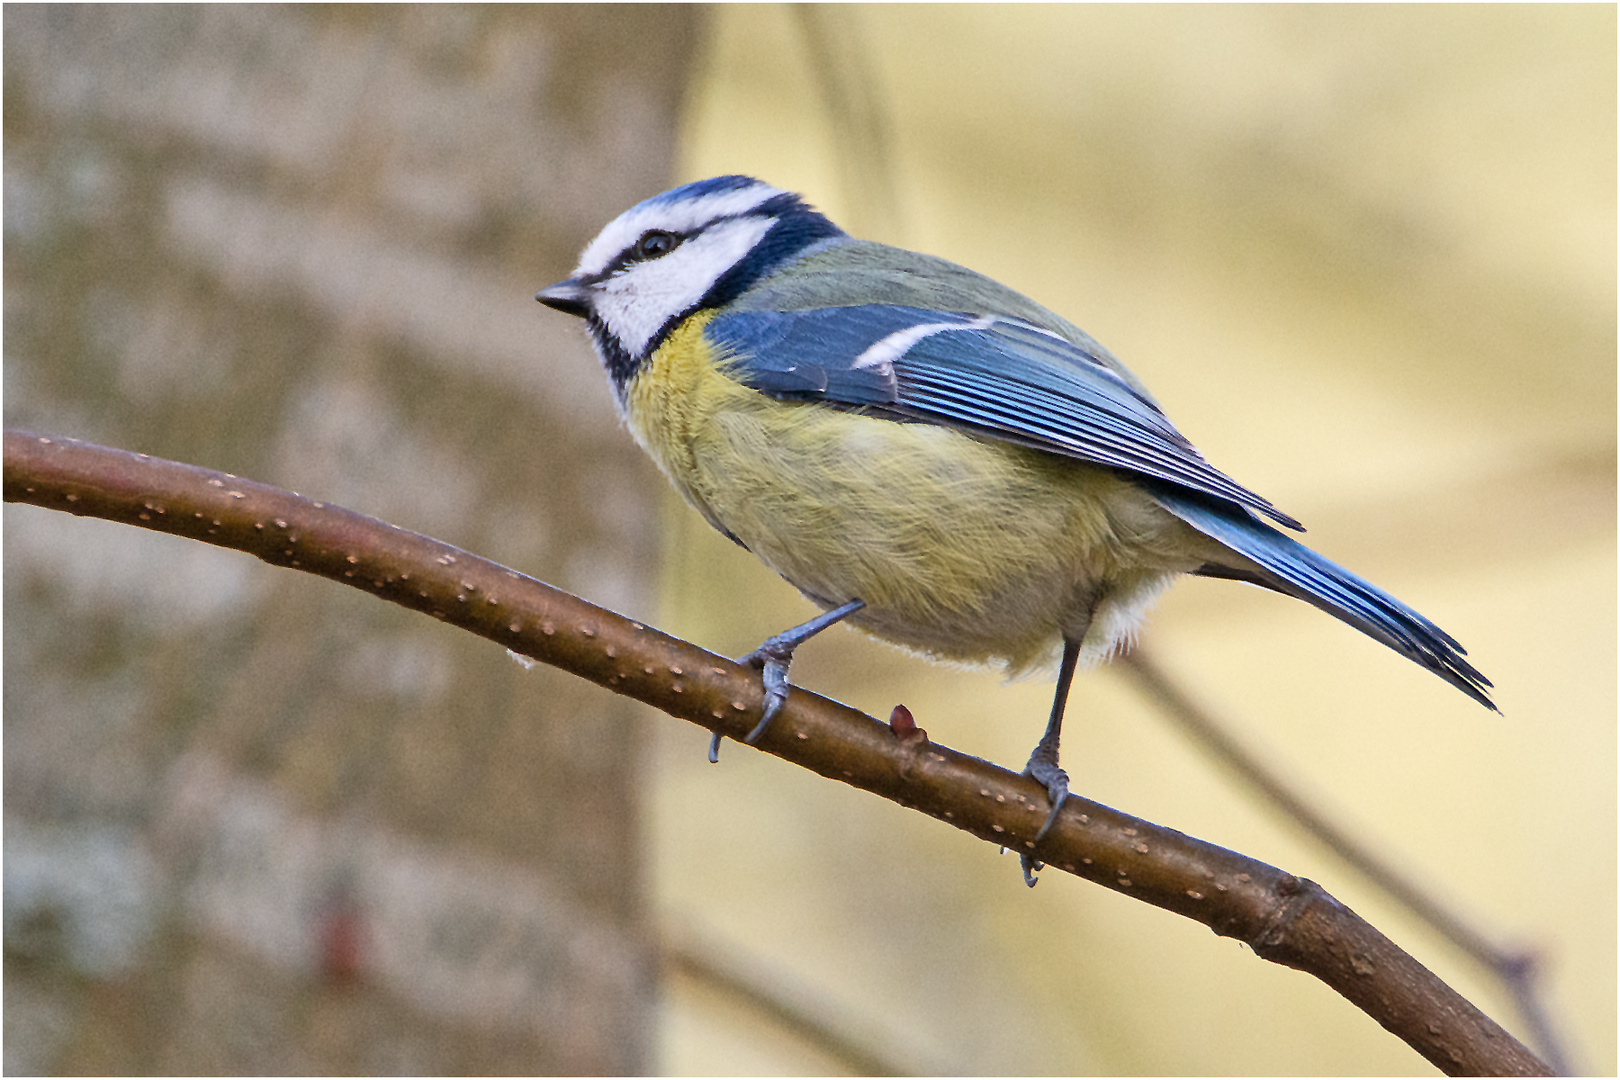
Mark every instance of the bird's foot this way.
pixel 773 657
pixel 1043 767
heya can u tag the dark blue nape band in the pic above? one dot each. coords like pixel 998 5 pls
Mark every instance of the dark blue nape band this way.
pixel 796 229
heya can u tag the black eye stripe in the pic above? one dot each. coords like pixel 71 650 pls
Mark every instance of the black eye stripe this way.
pixel 664 241
pixel 654 244
pixel 634 254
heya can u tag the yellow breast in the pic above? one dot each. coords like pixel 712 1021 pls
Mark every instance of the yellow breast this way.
pixel 962 548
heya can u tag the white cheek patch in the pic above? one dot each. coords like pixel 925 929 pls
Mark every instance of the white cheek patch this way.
pixel 636 302
pixel 676 217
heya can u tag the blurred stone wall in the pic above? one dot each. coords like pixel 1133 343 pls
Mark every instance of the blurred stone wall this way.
pixel 255 822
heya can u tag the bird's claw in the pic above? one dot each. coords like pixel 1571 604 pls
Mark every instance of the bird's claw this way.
pixel 772 658
pixel 1030 865
pixel 775 677
pixel 1056 782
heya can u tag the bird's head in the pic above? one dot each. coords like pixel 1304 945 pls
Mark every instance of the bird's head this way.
pixel 692 248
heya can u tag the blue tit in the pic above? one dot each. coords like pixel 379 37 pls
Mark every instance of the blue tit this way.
pixel 923 452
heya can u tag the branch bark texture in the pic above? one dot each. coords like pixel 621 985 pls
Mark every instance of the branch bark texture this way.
pixel 1285 919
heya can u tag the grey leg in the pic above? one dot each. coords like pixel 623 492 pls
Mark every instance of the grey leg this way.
pixel 1043 763
pixel 774 656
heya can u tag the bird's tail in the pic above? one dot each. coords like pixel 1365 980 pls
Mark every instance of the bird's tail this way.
pixel 1286 565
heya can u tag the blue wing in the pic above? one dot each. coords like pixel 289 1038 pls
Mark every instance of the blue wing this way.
pixel 996 376
pixel 1290 567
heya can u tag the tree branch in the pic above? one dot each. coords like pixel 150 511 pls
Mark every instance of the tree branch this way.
pixel 1285 919
pixel 1518 970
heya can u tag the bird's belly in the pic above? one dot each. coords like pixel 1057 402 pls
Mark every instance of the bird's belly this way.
pixel 962 548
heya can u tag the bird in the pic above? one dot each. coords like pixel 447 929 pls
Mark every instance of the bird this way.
pixel 923 452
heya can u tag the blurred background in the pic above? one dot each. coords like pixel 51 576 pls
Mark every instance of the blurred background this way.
pixel 1365 258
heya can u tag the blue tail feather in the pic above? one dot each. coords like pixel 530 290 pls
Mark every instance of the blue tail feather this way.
pixel 1290 567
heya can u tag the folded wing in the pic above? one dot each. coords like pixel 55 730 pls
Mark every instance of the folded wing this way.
pixel 990 375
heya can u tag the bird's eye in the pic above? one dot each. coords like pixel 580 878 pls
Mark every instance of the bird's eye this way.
pixel 655 243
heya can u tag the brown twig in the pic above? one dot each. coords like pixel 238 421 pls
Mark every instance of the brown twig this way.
pixel 1517 969
pixel 1285 919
